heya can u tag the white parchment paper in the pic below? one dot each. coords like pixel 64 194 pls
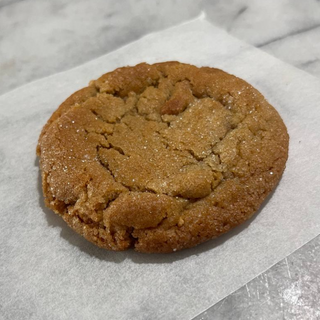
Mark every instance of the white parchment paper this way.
pixel 49 272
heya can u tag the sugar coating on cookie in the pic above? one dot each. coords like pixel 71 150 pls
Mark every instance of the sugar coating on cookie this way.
pixel 161 157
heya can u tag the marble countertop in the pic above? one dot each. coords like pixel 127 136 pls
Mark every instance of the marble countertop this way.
pixel 40 38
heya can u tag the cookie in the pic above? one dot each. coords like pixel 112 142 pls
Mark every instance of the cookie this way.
pixel 161 157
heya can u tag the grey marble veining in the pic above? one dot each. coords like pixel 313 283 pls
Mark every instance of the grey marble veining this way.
pixel 288 290
pixel 289 30
pixel 39 38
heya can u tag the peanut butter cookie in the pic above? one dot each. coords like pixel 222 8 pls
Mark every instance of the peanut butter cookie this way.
pixel 161 157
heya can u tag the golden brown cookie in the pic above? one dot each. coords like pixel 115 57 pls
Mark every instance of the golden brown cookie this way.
pixel 161 157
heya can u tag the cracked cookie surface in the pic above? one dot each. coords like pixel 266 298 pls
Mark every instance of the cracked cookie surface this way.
pixel 161 157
